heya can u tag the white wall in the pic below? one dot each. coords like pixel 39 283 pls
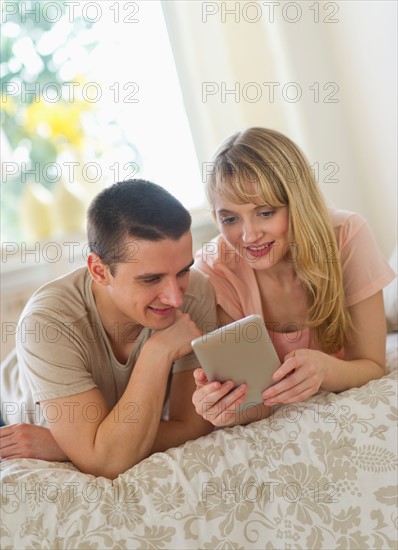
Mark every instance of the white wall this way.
pixel 346 49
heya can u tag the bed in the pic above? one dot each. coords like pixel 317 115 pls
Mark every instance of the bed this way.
pixel 320 474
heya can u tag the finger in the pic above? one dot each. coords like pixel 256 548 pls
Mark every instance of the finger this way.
pixel 9 448
pixel 287 367
pixel 288 382
pixel 229 402
pixel 7 437
pixel 225 411
pixel 294 353
pixel 7 442
pixel 6 430
pixel 292 394
pixel 200 377
pixel 301 396
pixel 224 418
pixel 207 396
pixel 213 395
pixel 8 455
pixel 203 393
pixel 234 398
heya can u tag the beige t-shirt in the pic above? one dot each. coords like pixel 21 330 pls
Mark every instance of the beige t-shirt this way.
pixel 62 347
pixel 365 272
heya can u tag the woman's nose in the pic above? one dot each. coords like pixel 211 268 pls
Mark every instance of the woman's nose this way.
pixel 250 233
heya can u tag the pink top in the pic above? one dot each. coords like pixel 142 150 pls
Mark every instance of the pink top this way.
pixel 365 272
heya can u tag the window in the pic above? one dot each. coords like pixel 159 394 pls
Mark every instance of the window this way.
pixel 90 95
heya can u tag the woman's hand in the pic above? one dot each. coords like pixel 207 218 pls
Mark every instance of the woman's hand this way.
pixel 300 376
pixel 29 441
pixel 215 401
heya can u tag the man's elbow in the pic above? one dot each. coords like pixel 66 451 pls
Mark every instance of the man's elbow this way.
pixel 110 468
pixel 381 370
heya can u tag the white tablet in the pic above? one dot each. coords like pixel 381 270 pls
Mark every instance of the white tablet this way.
pixel 242 352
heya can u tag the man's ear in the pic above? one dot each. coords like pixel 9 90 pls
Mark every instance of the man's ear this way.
pixel 98 270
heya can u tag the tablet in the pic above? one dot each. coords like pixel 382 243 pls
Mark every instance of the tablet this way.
pixel 242 352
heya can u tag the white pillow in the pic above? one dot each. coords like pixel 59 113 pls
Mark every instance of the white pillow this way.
pixel 391 296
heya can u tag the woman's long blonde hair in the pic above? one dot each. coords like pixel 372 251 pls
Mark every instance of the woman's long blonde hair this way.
pixel 263 166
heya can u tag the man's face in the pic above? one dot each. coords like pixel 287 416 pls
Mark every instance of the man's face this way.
pixel 147 288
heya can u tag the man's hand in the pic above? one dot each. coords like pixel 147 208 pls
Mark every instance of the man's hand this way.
pixel 175 341
pixel 29 441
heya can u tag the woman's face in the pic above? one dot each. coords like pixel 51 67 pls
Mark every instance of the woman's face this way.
pixel 259 234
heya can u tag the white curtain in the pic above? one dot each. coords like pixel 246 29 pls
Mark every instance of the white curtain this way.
pixel 324 73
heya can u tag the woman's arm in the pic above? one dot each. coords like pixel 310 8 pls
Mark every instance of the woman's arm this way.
pixel 365 355
pixel 311 370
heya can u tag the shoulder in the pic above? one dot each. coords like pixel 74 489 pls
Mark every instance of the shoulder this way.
pixel 346 218
pixel 199 301
pixel 61 298
pixel 199 285
pixel 365 270
pixel 346 225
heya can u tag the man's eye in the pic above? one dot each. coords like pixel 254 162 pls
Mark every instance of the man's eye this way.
pixel 151 280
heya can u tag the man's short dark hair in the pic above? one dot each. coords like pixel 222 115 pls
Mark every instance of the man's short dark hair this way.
pixel 136 209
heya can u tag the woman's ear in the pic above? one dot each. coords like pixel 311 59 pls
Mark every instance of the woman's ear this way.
pixel 98 270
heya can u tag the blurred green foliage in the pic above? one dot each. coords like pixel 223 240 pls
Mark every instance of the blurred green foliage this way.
pixel 35 128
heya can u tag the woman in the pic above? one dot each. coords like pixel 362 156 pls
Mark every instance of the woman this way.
pixel 315 276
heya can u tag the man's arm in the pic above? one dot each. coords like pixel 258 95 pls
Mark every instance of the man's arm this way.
pixel 107 442
pixel 184 423
pixel 30 441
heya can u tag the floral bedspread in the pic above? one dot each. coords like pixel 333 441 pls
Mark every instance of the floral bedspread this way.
pixel 320 474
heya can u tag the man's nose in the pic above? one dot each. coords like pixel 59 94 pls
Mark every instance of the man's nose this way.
pixel 172 294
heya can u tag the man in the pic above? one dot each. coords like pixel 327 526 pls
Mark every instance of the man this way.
pixel 102 348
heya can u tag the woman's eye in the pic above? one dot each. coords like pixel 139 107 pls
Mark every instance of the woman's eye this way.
pixel 266 214
pixel 229 220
